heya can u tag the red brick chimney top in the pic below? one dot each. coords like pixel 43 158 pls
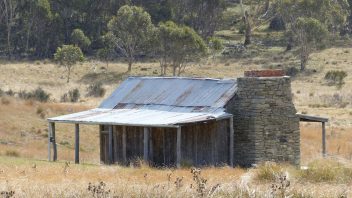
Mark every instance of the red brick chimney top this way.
pixel 265 73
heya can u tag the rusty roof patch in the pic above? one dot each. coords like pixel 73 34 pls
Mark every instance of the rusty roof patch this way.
pixel 160 102
pixel 184 92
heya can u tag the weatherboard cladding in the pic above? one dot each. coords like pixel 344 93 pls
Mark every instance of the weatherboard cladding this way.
pixel 156 101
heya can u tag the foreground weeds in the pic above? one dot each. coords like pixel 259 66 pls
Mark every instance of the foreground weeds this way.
pixel 29 178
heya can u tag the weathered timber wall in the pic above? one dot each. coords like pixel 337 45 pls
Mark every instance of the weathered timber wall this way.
pixel 201 144
pixel 265 123
pixel 205 144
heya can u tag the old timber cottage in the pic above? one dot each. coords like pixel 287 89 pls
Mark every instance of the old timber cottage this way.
pixel 172 121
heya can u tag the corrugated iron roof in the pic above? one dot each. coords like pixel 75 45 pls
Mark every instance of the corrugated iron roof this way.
pixel 172 91
pixel 160 101
pixel 137 117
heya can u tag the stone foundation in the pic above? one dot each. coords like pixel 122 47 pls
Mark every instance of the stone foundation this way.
pixel 265 122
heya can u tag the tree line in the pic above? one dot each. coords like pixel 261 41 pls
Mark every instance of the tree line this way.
pixel 174 31
pixel 35 28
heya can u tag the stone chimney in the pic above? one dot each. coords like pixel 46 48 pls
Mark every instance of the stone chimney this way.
pixel 265 122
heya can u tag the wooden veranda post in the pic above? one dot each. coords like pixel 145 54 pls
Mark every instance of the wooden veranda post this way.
pixel 110 144
pixel 178 148
pixel 309 118
pixel 76 143
pixel 231 141
pixel 124 156
pixel 145 144
pixel 323 139
pixel 51 141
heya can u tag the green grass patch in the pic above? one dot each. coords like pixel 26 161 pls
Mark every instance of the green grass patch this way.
pixel 326 171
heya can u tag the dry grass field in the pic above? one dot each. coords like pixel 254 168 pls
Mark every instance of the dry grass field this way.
pixel 33 178
pixel 23 135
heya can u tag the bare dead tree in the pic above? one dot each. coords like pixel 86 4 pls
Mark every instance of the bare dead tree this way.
pixel 255 14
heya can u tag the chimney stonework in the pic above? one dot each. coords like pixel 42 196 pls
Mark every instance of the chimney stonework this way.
pixel 266 126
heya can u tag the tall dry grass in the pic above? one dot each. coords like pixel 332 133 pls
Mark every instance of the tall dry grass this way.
pixel 30 178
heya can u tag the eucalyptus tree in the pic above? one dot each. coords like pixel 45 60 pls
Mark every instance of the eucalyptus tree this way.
pixel 309 22
pixel 67 56
pixel 132 28
pixel 179 44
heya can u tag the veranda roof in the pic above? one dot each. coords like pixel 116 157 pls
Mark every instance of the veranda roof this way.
pixel 138 117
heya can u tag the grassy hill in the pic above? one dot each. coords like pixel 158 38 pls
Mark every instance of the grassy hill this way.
pixel 23 128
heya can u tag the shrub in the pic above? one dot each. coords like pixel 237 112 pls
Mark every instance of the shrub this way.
pixel 71 96
pixel 24 95
pixel 7 194
pixel 2 92
pixel 335 77
pixel 326 171
pixel 38 94
pixel 5 101
pixel 96 90
pixel 10 92
pixel 268 171
pixel 41 112
pixel 64 143
pixel 99 190
pixel 277 24
pixel 79 38
pixel 12 153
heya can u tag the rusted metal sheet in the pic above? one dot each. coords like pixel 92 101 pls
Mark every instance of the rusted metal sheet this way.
pixel 137 117
pixel 160 102
pixel 172 91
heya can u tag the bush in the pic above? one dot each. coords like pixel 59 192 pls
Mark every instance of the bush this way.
pixel 335 77
pixel 277 24
pixel 2 92
pixel 268 171
pixel 5 101
pixel 12 153
pixel 79 38
pixel 10 92
pixel 326 171
pixel 41 112
pixel 71 96
pixel 96 90
pixel 24 95
pixel 38 94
